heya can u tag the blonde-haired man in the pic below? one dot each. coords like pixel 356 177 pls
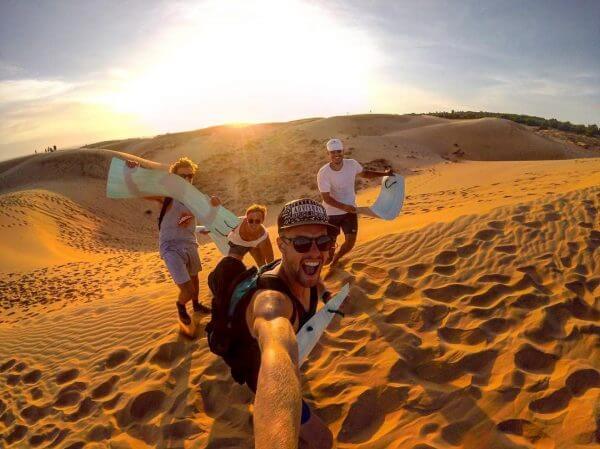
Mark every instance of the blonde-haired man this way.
pixel 177 241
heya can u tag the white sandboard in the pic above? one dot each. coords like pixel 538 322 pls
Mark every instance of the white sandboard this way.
pixel 138 182
pixel 309 334
pixel 389 201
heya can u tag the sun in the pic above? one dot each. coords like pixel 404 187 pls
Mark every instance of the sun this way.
pixel 246 61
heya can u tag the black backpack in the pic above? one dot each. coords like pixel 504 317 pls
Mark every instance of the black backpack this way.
pixel 163 210
pixel 230 282
pixel 222 281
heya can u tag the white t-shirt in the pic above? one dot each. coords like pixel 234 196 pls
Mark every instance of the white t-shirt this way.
pixel 339 184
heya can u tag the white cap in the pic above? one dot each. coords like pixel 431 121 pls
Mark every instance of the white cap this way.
pixel 335 145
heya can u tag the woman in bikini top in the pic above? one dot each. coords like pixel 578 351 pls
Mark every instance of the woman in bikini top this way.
pixel 251 236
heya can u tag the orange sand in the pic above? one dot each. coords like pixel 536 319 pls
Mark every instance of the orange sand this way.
pixel 473 317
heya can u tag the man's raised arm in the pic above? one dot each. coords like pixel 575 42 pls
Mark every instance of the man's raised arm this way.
pixel 370 174
pixel 155 166
pixel 277 404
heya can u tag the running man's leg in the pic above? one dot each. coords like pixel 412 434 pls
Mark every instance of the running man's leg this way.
pixel 177 262
pixel 335 220
pixel 349 225
pixel 350 240
pixel 195 302
pixel 186 293
pixel 314 433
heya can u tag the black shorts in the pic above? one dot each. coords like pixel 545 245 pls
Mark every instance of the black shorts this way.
pixel 347 222
pixel 238 250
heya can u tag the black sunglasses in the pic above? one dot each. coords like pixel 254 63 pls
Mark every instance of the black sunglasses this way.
pixel 186 175
pixel 303 244
pixel 253 221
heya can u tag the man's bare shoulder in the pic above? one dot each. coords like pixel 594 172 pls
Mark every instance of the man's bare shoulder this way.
pixel 270 304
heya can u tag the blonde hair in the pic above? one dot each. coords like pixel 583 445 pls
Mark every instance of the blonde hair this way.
pixel 257 208
pixel 183 162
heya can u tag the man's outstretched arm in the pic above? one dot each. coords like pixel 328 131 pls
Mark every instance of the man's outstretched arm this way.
pixel 278 395
pixel 370 174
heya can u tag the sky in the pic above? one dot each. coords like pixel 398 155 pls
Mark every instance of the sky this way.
pixel 77 72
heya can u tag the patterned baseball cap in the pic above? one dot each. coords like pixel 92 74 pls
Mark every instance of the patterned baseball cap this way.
pixel 302 212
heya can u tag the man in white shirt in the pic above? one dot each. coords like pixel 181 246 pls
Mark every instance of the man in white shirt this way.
pixel 336 181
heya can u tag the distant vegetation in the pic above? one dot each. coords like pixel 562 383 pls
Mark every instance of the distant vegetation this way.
pixel 530 120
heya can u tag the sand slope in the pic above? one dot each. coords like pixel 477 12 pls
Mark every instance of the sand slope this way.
pixel 473 321
pixel 481 332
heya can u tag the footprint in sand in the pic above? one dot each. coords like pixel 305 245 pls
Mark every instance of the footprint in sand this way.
pixel 507 249
pixel 530 301
pixel 554 402
pixel 580 381
pixel 462 336
pixel 531 359
pixel 168 353
pixel 445 270
pixel 117 357
pixel 533 224
pixel 498 278
pixel 7 365
pixel 397 290
pixel 417 270
pixel 32 376
pixel 467 250
pixel 47 433
pixel 100 433
pixel 527 430
pixel 497 224
pixel 496 325
pixel 17 434
pixel 367 413
pixel 370 270
pixel 20 367
pixel 455 432
pixel 33 413
pixel 69 395
pixel 487 234
pixel 105 388
pixel 66 376
pixel 445 257
pixel 449 293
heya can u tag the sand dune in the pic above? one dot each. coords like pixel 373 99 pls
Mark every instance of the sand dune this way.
pixel 473 317
pixel 490 139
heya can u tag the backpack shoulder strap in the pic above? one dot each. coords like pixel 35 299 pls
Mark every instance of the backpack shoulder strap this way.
pixel 163 210
pixel 244 284
pixel 314 299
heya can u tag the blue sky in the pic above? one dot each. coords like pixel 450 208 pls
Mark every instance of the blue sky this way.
pixel 73 72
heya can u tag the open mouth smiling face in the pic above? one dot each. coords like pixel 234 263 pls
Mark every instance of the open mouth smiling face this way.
pixel 306 249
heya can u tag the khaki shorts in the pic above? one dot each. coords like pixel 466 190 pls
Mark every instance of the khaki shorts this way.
pixel 182 261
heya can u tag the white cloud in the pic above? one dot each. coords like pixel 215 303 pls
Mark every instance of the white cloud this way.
pixel 12 91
